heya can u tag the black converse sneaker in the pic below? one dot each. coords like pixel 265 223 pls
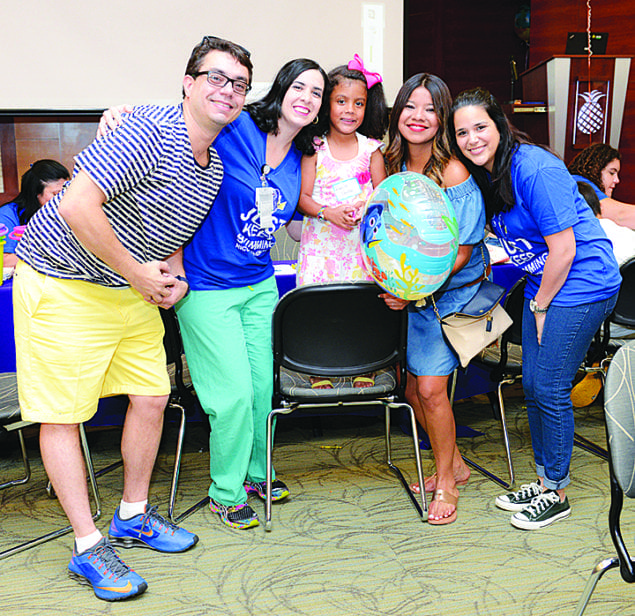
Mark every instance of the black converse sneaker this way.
pixel 517 501
pixel 544 510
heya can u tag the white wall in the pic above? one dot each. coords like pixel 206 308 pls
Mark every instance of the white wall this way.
pixel 90 54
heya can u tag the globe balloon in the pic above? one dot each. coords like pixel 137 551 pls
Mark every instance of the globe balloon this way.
pixel 409 235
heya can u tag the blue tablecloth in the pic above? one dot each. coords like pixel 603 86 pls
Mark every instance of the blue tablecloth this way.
pixel 7 355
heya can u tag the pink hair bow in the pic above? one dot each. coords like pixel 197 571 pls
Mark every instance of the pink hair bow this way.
pixel 356 64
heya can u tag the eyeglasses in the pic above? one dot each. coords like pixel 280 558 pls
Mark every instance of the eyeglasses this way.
pixel 219 80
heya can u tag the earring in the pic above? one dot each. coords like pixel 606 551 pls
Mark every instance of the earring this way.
pixel 315 120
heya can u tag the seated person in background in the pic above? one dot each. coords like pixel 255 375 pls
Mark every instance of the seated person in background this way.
pixel 599 166
pixel 40 183
pixel 623 240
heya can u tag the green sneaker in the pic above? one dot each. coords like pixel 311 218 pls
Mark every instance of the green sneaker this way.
pixel 543 511
pixel 279 490
pixel 517 501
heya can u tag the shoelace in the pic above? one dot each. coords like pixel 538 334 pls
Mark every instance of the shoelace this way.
pixel 526 490
pixel 114 565
pixel 541 502
pixel 152 517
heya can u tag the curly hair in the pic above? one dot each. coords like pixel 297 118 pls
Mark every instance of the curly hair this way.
pixel 591 161
pixel 397 150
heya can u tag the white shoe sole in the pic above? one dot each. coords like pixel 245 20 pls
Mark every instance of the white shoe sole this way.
pixel 527 525
pixel 507 506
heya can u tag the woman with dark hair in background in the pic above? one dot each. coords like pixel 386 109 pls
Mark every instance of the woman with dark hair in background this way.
pixel 43 180
pixel 534 207
pixel 599 165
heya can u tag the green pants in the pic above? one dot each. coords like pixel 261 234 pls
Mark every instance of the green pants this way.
pixel 227 340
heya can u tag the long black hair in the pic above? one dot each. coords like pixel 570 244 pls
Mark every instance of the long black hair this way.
pixel 267 111
pixel 33 183
pixel 497 190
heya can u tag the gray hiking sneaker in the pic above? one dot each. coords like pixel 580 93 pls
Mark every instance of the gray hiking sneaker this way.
pixel 543 511
pixel 517 501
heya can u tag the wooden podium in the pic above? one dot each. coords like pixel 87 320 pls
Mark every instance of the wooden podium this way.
pixel 575 111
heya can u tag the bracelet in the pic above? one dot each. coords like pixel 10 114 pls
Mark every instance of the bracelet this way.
pixel 320 214
pixel 184 279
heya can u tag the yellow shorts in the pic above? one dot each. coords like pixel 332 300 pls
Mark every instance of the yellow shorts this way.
pixel 77 342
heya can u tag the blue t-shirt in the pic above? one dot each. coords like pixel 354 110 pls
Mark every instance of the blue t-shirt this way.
pixel 10 219
pixel 580 178
pixel 547 202
pixel 231 249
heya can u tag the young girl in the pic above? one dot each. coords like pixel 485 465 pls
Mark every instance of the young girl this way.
pixel 534 207
pixel 340 176
pixel 418 142
pixel 336 182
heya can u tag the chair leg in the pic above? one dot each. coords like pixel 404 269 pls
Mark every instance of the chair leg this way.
pixel 421 508
pixel 177 461
pixel 598 571
pixel 270 417
pixel 25 464
pixel 510 467
pixel 67 529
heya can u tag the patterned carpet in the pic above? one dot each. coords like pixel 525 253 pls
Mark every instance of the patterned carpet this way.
pixel 347 542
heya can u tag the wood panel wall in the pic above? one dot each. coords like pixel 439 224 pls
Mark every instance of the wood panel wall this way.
pixel 550 23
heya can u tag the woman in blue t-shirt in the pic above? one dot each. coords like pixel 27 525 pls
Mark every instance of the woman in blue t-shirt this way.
pixel 40 182
pixel 534 207
pixel 226 319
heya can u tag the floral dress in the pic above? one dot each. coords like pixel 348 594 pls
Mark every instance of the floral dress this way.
pixel 327 252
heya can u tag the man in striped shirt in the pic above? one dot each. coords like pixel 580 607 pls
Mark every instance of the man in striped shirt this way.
pixel 95 263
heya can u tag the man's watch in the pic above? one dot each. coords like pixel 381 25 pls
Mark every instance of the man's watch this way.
pixel 535 308
pixel 184 279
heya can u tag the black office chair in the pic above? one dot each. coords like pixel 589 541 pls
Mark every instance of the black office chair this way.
pixel 182 399
pixel 619 409
pixel 602 350
pixel 11 421
pixel 505 366
pixel 339 330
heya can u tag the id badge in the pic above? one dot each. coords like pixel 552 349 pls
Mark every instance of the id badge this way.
pixel 264 203
pixel 347 190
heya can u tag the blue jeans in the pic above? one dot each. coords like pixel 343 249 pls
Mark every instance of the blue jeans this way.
pixel 548 372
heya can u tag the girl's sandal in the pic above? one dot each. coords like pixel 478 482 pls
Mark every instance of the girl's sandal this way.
pixel 430 484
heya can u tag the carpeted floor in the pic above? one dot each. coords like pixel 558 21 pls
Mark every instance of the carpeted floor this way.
pixel 347 541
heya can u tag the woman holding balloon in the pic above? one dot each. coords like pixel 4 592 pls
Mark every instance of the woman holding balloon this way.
pixel 418 142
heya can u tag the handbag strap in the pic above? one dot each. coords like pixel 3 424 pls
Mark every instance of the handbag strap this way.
pixel 487 268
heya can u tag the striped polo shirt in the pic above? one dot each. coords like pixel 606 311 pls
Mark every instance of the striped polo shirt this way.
pixel 156 197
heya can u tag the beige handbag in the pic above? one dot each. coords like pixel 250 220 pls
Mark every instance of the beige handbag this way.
pixel 481 321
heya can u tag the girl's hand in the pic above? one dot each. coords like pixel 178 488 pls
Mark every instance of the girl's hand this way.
pixel 359 208
pixel 394 303
pixel 342 215
pixel 111 118
pixel 540 324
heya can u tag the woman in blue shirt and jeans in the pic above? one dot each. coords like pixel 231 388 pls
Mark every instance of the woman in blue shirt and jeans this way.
pixel 534 207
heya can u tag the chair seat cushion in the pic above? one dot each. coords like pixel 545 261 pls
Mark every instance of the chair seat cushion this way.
pixel 298 385
pixel 9 405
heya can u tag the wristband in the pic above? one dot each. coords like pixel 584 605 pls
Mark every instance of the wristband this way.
pixel 184 279
pixel 320 214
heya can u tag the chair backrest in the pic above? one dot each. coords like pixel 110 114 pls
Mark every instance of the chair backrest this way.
pixel 619 409
pixel 339 329
pixel 624 312
pixel 513 304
